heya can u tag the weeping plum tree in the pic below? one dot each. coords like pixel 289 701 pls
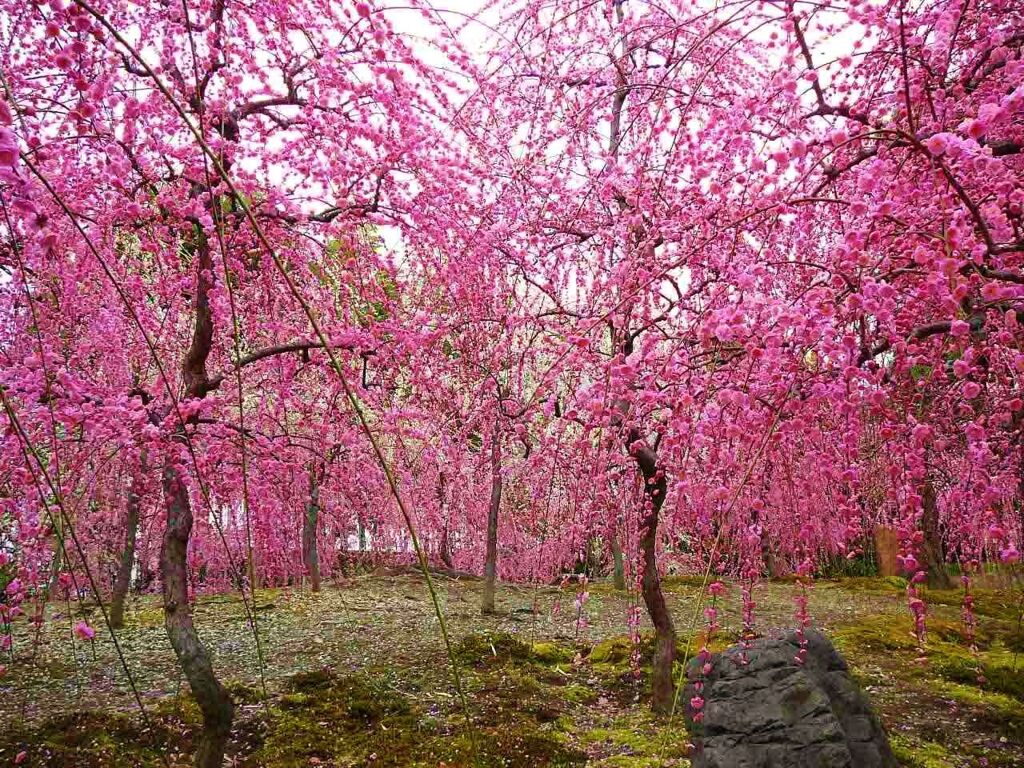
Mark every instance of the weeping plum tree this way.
pixel 783 256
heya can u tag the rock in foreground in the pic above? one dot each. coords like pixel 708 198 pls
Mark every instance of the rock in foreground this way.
pixel 775 713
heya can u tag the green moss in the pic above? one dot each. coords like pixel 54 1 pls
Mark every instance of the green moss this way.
pixel 90 739
pixel 887 633
pixel 497 648
pixel 578 694
pixel 956 633
pixel 635 761
pixel 688 580
pixel 991 603
pixel 948 655
pixel 510 747
pixel 614 650
pixel 516 692
pixel 868 585
pixel 325 717
pixel 364 720
pixel 614 653
pixel 1001 712
pixel 1013 640
pixel 551 653
pixel 242 693
pixel 638 738
pixel 1000 675
pixel 179 709
pixel 482 649
pixel 148 616
pixel 294 700
pixel 920 754
pixel 312 680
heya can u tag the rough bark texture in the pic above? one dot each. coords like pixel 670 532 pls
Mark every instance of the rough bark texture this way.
pixel 310 555
pixel 123 580
pixel 214 702
pixel 491 562
pixel 932 556
pixel 446 549
pixel 886 549
pixel 655 487
pixel 618 564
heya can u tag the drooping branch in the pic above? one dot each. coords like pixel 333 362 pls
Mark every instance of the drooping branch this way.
pixel 281 349
pixel 918 334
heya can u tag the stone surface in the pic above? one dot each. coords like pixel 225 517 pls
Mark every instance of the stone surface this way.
pixel 775 713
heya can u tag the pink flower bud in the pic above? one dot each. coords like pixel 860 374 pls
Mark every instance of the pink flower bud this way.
pixel 938 144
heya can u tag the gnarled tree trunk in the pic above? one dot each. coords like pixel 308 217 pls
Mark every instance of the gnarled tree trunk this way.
pixel 214 702
pixel 655 487
pixel 310 556
pixel 491 561
pixel 123 580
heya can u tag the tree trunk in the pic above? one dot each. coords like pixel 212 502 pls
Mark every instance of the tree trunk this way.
pixel 123 580
pixel 646 457
pixel 618 564
pixel 491 561
pixel 446 549
pixel 446 542
pixel 886 549
pixel 214 702
pixel 932 553
pixel 655 487
pixel 57 564
pixel 310 556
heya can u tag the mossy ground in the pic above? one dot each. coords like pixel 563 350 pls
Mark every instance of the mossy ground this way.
pixel 357 676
